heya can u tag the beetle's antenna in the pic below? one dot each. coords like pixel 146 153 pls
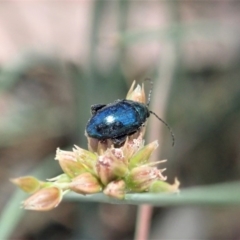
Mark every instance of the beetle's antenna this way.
pixel 150 91
pixel 173 138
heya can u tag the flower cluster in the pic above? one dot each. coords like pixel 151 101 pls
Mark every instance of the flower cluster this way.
pixel 102 168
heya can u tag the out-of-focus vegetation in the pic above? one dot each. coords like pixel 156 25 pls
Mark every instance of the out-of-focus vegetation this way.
pixel 56 59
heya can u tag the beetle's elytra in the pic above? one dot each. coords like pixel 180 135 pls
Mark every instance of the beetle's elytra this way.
pixel 118 120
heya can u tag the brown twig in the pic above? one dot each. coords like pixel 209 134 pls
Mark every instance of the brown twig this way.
pixel 143 222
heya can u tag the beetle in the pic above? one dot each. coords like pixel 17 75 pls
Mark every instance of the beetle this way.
pixel 119 119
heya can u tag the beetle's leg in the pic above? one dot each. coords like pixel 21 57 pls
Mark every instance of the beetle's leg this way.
pixel 96 107
pixel 119 140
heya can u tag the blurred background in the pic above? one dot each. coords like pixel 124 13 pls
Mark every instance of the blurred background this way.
pixel 58 58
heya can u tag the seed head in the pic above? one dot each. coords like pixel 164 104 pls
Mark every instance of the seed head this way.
pixel 141 178
pixel 115 189
pixel 85 183
pixel 28 184
pixel 69 164
pixel 111 165
pixel 137 94
pixel 44 199
pixel 160 186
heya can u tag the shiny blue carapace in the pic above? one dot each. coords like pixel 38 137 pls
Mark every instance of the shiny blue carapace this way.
pixel 116 120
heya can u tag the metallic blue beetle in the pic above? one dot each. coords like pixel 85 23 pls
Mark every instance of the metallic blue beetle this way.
pixel 118 120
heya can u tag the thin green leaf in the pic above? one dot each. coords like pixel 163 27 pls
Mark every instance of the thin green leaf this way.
pixel 220 194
